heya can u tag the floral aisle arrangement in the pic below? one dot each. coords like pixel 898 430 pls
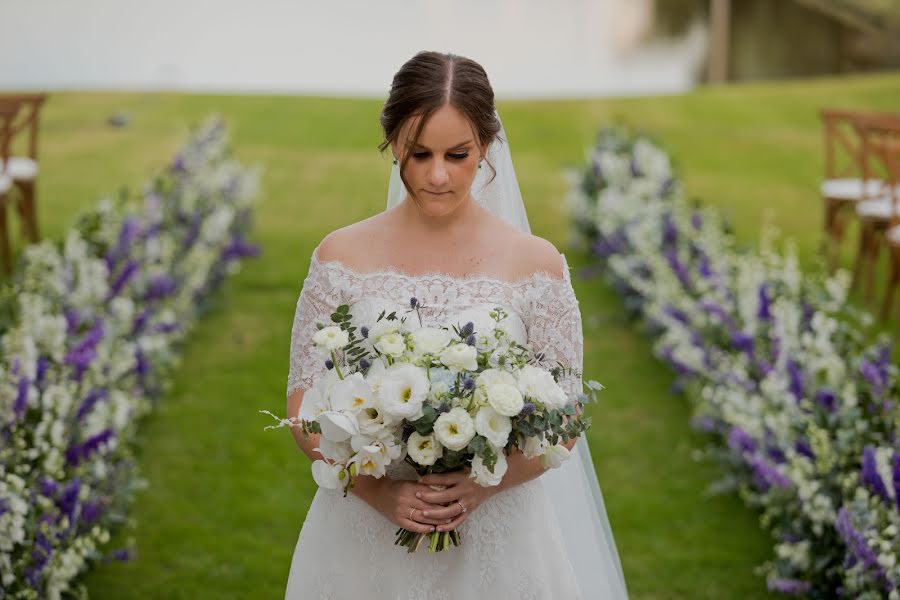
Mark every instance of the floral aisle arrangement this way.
pixel 802 411
pixel 437 398
pixel 88 336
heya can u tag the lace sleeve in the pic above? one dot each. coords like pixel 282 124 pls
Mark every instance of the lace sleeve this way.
pixel 318 299
pixel 553 323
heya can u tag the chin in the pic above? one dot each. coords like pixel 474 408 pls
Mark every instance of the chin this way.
pixel 439 205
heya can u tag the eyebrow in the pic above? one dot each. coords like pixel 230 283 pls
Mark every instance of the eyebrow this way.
pixel 418 145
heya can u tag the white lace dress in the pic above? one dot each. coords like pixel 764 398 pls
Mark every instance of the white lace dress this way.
pixel 512 545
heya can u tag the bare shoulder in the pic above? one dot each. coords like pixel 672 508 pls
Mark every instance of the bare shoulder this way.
pixel 344 244
pixel 539 255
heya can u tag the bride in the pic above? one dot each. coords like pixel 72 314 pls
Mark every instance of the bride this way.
pixel 454 241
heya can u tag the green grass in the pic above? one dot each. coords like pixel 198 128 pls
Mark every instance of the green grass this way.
pixel 226 500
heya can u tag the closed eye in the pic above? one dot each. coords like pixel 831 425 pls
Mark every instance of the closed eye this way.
pixel 424 155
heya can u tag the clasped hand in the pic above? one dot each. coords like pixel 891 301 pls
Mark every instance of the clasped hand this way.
pixel 442 509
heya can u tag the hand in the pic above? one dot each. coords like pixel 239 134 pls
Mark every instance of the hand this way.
pixel 396 499
pixel 461 491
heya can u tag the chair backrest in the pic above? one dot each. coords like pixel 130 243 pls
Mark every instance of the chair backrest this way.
pixel 881 156
pixel 843 142
pixel 8 111
pixel 27 117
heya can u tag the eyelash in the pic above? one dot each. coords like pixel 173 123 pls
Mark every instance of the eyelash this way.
pixel 422 155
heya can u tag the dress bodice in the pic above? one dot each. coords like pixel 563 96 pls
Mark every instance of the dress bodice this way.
pixel 542 310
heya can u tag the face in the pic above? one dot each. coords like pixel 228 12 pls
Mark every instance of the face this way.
pixel 443 163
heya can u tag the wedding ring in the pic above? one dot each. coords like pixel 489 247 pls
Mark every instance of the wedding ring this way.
pixel 464 509
pixel 411 513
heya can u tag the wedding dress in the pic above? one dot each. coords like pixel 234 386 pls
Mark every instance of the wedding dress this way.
pixel 548 538
pixel 512 545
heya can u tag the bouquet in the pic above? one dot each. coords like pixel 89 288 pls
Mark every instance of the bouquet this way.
pixel 439 398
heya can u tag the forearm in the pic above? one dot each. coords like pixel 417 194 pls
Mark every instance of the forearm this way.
pixel 520 469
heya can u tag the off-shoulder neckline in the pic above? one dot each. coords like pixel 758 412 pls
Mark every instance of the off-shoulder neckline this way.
pixel 471 278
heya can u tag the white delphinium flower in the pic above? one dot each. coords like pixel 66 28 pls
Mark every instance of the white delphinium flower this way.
pixel 331 338
pixel 539 384
pixel 483 476
pixel 424 449
pixel 454 429
pixel 430 340
pixel 554 456
pixel 458 357
pixel 493 426
pixel 402 391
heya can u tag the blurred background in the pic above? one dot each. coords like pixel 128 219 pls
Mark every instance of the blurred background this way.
pixel 733 90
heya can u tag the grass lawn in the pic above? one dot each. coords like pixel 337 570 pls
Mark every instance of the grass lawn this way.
pixel 226 500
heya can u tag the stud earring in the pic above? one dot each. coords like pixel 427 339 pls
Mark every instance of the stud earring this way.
pixel 395 161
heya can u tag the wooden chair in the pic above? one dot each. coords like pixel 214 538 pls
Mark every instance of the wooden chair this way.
pixel 8 111
pixel 876 210
pixel 843 186
pixel 23 169
pixel 884 146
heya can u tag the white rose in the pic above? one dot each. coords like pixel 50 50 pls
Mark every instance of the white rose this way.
pixel 391 344
pixel 458 357
pixel 402 390
pixel 424 449
pixel 454 429
pixel 538 383
pixel 481 473
pixel 494 426
pixel 489 376
pixel 429 340
pixel 331 338
pixel 326 475
pixel 554 456
pixel 506 399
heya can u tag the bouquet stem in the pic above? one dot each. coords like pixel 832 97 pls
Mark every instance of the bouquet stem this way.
pixel 437 540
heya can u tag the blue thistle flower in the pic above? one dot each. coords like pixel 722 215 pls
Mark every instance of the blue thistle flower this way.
pixel 329 364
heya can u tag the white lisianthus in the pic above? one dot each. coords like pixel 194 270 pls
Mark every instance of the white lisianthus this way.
pixel 459 357
pixel 391 344
pixel 494 426
pixel 326 475
pixel 455 428
pixel 382 328
pixel 371 420
pixel 505 398
pixel 554 456
pixel 402 390
pixel 353 393
pixel 481 473
pixel 424 449
pixel 538 383
pixel 430 340
pixel 331 338
pixel 489 376
pixel 337 426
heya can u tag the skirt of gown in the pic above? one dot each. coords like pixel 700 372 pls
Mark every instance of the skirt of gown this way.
pixel 511 550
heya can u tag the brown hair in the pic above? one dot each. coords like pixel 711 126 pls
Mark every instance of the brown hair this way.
pixel 430 80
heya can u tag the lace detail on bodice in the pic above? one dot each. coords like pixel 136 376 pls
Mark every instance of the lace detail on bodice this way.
pixel 544 304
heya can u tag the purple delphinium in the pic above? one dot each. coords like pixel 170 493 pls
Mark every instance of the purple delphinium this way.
pixel 140 322
pixel 681 272
pixel 766 474
pixel 858 549
pixel 802 447
pixel 73 319
pixel 79 453
pixel 237 249
pixel 49 488
pixel 827 399
pixel 89 401
pixel 764 313
pixel 81 355
pixel 870 477
pixel 740 441
pixel 697 220
pixel 130 230
pixel 128 271
pixel 677 314
pixel 705 423
pixel 42 365
pixel 895 476
pixel 792 587
pixel 159 287
pixel 795 376
pixel 703 266
pixel 670 231
pixel 21 403
pixel 742 342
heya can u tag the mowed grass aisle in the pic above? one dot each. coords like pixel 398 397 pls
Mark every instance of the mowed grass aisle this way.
pixel 226 500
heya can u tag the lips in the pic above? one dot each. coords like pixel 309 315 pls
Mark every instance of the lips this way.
pixel 437 193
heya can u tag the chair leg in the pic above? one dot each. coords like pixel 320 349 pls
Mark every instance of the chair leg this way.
pixel 28 212
pixel 875 242
pixel 893 280
pixel 834 232
pixel 5 250
pixel 865 232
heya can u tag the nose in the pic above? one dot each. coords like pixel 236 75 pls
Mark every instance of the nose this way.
pixel 437 175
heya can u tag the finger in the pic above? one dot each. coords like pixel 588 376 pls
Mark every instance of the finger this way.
pixel 450 478
pixel 420 517
pixel 443 513
pixel 415 525
pixel 436 497
pixel 454 523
